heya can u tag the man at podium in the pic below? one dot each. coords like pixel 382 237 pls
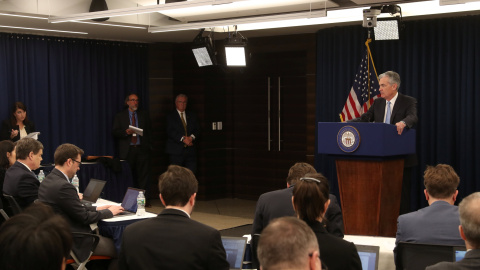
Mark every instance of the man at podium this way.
pixel 399 110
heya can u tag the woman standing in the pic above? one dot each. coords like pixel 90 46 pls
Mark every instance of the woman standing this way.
pixel 18 125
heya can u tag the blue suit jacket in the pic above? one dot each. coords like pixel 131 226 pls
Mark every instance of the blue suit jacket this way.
pixel 434 224
pixel 22 184
pixel 175 132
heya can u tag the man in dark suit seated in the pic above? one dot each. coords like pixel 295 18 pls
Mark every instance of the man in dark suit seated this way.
pixel 20 181
pixel 278 203
pixel 399 110
pixel 437 223
pixel 470 232
pixel 57 191
pixel 172 240
pixel 35 239
pixel 288 243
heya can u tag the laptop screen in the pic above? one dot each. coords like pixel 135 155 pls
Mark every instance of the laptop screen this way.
pixel 235 249
pixel 129 202
pixel 459 253
pixel 93 190
pixel 369 256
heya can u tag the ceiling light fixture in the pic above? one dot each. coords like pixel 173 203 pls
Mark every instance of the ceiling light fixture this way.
pixel 241 21
pixel 235 49
pixel 204 50
pixel 23 16
pixel 138 10
pixel 116 25
pixel 39 29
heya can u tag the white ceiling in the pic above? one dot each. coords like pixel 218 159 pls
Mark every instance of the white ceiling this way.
pixel 43 9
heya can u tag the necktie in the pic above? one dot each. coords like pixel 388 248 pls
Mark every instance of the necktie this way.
pixel 184 124
pixel 389 113
pixel 134 123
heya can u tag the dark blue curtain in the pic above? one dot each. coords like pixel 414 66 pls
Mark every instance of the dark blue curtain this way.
pixel 72 87
pixel 439 63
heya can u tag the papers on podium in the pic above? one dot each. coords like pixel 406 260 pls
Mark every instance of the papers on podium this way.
pixel 33 135
pixel 137 130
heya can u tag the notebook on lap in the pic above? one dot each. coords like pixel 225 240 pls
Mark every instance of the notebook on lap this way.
pixel 129 202
pixel 93 190
pixel 235 249
pixel 369 256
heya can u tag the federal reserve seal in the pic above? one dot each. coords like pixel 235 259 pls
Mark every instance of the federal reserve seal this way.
pixel 348 139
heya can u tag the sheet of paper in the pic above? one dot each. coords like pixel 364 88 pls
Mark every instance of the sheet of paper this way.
pixel 33 135
pixel 137 130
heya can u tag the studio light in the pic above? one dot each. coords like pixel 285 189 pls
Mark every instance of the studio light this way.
pixel 387 29
pixel 235 46
pixel 203 50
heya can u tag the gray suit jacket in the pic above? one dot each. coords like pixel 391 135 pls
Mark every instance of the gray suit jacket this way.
pixel 172 241
pixel 22 184
pixel 470 262
pixel 434 224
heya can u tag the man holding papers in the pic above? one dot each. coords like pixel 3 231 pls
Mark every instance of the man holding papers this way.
pixel 132 130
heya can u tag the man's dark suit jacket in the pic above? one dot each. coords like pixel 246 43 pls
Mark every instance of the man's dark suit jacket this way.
pixel 22 184
pixel 62 196
pixel 470 262
pixel 278 203
pixel 335 252
pixel 121 123
pixel 171 241
pixel 7 129
pixel 405 109
pixel 175 132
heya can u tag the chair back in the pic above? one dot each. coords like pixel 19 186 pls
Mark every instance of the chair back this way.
pixel 413 256
pixel 12 204
pixel 84 245
pixel 253 246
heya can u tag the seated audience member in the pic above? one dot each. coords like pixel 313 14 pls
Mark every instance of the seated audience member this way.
pixel 278 203
pixel 20 181
pixel 172 240
pixel 310 201
pixel 57 191
pixel 7 158
pixel 35 239
pixel 437 223
pixel 469 229
pixel 17 126
pixel 288 243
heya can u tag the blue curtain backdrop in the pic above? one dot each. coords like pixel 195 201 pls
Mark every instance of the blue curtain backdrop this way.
pixel 439 63
pixel 72 87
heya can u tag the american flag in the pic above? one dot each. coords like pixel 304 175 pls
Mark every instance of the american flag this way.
pixel 361 95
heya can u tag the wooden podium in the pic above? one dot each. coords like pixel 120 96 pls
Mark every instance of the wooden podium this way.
pixel 370 177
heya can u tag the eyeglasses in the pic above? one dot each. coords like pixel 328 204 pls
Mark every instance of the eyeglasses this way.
pixel 310 179
pixel 79 163
pixel 134 99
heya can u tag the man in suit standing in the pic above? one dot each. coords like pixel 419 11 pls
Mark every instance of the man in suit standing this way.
pixel 20 181
pixel 289 243
pixel 437 223
pixel 399 110
pixel 470 232
pixel 172 240
pixel 132 147
pixel 182 130
pixel 57 191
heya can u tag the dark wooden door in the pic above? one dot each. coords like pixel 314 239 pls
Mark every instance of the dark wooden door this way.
pixel 269 121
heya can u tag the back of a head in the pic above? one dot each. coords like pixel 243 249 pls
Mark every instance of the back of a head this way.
pixel 286 243
pixel 35 239
pixel 469 210
pixel 66 151
pixel 310 195
pixel 6 146
pixel 27 145
pixel 299 170
pixel 441 181
pixel 177 185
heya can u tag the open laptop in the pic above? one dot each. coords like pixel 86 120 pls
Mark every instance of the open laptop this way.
pixel 459 252
pixel 93 190
pixel 235 249
pixel 129 202
pixel 369 256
